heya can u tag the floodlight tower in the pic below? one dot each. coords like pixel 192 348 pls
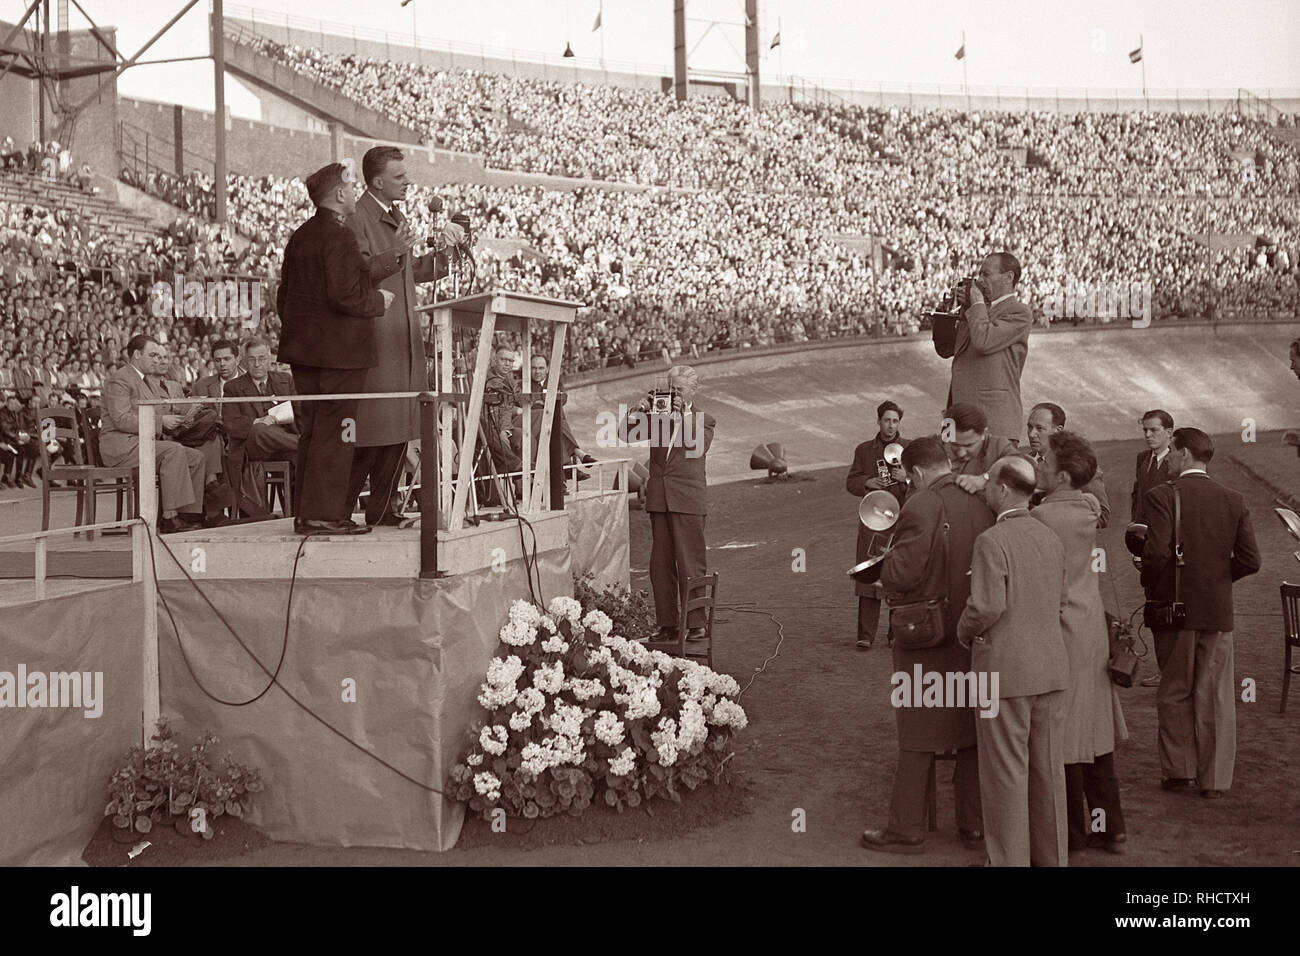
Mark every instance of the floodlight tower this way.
pixel 682 73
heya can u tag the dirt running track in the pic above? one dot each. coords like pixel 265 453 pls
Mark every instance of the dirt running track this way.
pixel 821 734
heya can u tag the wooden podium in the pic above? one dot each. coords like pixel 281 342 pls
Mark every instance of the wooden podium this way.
pixel 488 313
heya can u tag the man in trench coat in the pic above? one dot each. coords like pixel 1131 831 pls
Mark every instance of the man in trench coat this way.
pixel 385 426
pixel 914 571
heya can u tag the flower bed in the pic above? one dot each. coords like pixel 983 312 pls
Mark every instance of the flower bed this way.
pixel 577 714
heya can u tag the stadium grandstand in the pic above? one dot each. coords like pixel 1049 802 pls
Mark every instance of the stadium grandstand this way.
pixel 685 227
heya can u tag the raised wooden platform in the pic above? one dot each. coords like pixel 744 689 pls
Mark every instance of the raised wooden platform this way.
pixel 265 550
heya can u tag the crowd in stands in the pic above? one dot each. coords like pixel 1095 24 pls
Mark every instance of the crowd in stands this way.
pixel 752 229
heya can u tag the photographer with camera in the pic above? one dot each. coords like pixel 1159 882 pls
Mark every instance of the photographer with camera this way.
pixel 676 495
pixel 992 341
pixel 1199 541
pixel 873 471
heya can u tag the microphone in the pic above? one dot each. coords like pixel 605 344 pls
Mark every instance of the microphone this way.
pixel 435 205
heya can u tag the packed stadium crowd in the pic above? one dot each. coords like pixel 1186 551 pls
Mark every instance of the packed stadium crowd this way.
pixel 754 227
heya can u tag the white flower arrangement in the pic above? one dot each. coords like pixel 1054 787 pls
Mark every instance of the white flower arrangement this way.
pixel 493 739
pixel 609 729
pixel 488 785
pixel 624 724
pixel 549 678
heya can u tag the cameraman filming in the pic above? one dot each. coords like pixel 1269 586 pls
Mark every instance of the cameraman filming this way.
pixel 992 343
pixel 676 496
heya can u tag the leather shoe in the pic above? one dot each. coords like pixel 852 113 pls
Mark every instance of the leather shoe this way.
pixel 695 634
pixel 329 527
pixel 171 526
pixel 888 842
pixel 390 520
pixel 1177 783
pixel 664 634
pixel 1212 794
pixel 1111 843
pixel 863 645
pixel 971 839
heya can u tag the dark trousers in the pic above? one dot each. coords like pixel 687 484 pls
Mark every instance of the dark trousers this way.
pixel 324 458
pixel 383 465
pixel 270 443
pixel 677 552
pixel 868 618
pixel 1089 787
pixel 909 807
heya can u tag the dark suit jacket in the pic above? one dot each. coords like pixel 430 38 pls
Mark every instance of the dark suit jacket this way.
pixel 1017 593
pixel 238 417
pixel 914 571
pixel 990 355
pixel 328 298
pixel 1145 481
pixel 1218 548
pixel 677 480
pixel 861 470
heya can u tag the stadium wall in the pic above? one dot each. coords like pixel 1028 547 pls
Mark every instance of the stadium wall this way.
pixel 344 40
pixel 820 403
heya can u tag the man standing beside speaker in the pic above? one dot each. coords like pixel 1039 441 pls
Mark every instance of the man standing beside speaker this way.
pixel 872 470
pixel 387 240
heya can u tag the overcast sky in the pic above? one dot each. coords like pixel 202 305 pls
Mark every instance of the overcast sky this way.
pixel 1190 44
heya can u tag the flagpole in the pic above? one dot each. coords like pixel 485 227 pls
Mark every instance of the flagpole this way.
pixel 780 52
pixel 965 76
pixel 1142 47
pixel 601 14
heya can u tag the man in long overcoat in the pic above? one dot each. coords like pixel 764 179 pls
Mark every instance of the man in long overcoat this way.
pixel 915 570
pixel 385 426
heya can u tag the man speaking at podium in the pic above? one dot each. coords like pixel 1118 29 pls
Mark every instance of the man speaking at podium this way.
pixel 387 242
pixel 992 343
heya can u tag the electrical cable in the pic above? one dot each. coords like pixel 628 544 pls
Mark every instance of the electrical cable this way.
pixel 746 608
pixel 273 676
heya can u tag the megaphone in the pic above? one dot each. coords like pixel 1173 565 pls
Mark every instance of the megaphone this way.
pixel 878 511
pixel 770 456
pixel 1292 523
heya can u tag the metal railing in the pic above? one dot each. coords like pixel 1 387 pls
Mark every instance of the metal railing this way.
pixel 430 492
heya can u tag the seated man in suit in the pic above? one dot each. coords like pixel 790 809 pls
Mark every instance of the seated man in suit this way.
pixel 225 356
pixel 570 453
pixel 264 438
pixel 181 470
pixel 250 425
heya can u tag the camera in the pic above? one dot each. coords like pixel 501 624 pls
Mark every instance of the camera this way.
pixel 661 400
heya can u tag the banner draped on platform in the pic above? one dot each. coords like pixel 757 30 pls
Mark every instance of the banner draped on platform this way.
pixel 55 761
pixel 395 665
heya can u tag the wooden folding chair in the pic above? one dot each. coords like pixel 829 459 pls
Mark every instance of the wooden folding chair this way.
pixel 1291 635
pixel 679 647
pixel 87 480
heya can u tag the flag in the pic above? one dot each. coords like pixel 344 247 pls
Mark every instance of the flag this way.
pixel 961 52
pixel 776 41
pixel 1135 55
pixel 596 26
